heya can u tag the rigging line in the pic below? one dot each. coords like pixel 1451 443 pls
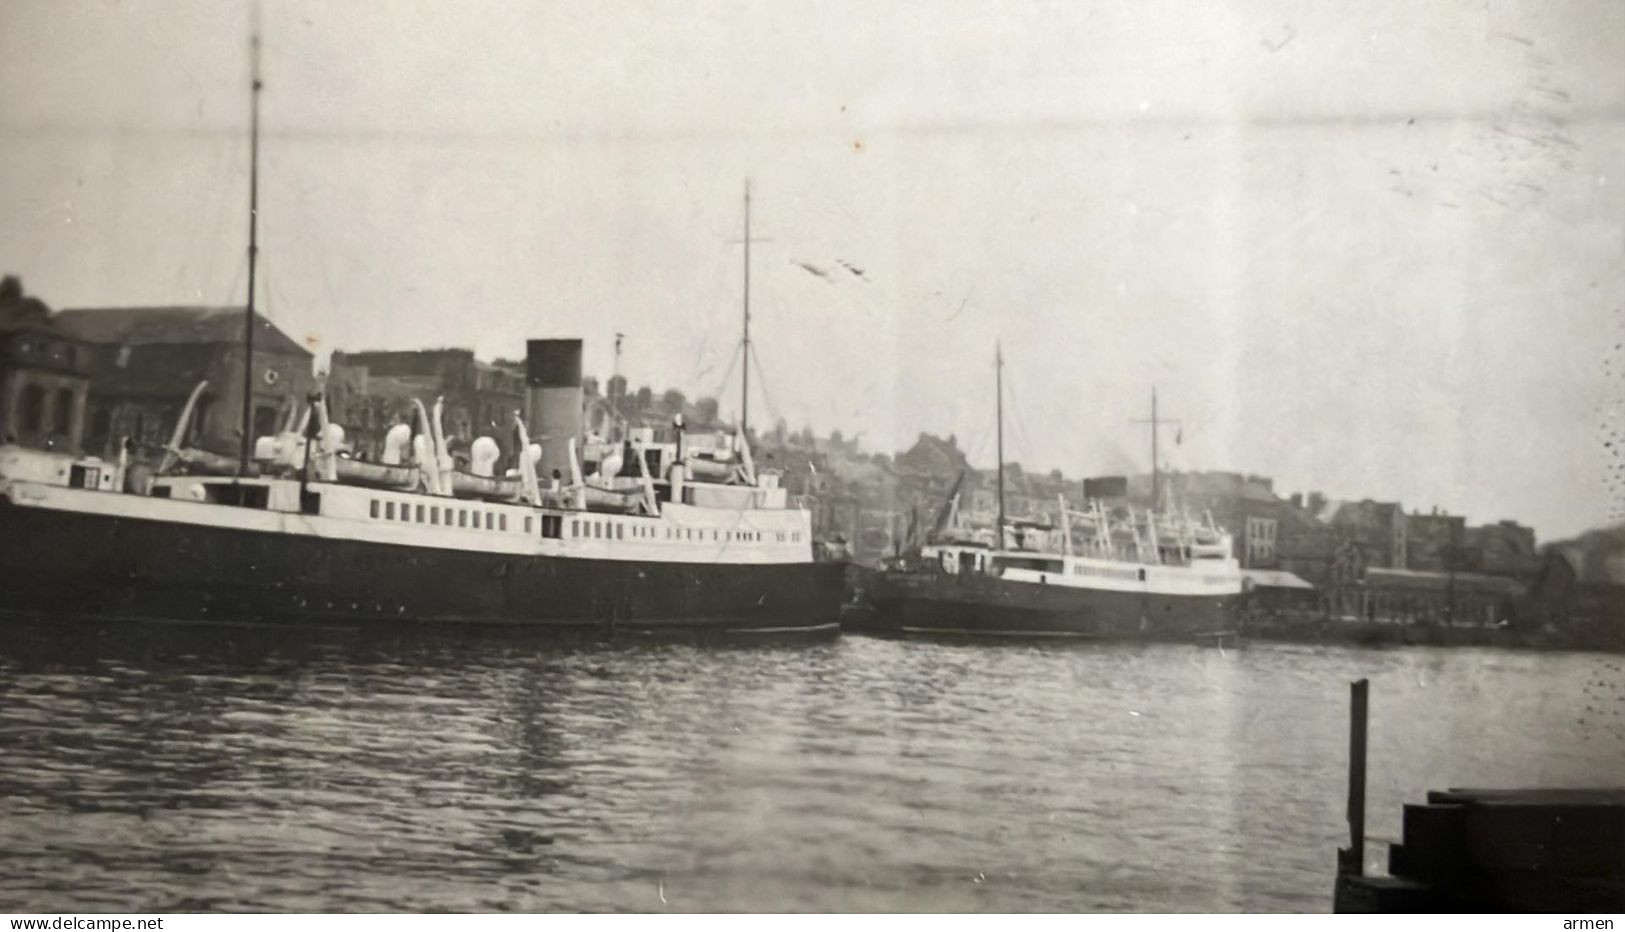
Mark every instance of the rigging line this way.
pixel 237 276
pixel 201 234
pixel 761 383
pixel 1023 441
pixel 265 288
pixel 727 374
pixel 976 448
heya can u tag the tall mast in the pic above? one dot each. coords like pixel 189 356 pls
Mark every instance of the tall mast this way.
pixel 744 384
pixel 253 248
pixel 1156 424
pixel 998 395
pixel 744 369
pixel 1155 468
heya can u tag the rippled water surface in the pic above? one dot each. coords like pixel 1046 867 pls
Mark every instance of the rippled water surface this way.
pixel 166 769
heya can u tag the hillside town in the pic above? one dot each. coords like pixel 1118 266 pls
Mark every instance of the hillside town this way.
pixel 91 379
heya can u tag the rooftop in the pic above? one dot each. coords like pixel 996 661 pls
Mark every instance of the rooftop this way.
pixel 140 326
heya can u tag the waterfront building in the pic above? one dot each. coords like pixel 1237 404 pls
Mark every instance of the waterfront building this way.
pixel 43 374
pixel 370 391
pixel 1505 548
pixel 143 363
pixel 1437 542
pixel 1378 529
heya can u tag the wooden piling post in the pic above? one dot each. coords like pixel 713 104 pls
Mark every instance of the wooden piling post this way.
pixel 1351 860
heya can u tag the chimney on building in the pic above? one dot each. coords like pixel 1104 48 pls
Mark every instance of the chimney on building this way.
pixel 553 400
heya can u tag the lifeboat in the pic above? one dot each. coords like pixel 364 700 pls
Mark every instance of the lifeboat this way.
pixel 376 475
pixel 469 485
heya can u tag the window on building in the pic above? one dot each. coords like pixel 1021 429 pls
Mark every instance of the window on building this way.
pixel 527 524
pixel 32 414
pixel 265 421
pixel 490 521
pixel 62 413
pixel 374 509
pixel 101 424
pixel 434 514
pixel 420 514
pixel 389 511
pixel 502 522
pixel 462 518
pixel 552 526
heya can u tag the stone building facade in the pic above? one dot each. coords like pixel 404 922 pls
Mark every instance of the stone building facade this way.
pixel 44 386
pixel 370 391
pixel 146 361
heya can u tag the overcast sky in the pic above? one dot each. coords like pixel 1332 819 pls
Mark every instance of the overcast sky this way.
pixel 1375 249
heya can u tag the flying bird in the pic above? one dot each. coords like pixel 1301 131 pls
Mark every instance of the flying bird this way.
pixel 821 273
pixel 850 268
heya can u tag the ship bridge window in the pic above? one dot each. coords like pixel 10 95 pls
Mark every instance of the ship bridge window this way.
pixel 552 526
pixel 1037 564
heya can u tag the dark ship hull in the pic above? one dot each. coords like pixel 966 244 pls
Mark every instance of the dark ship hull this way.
pixel 903 602
pixel 60 564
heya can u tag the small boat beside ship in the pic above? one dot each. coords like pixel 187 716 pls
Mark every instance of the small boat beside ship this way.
pixel 1108 571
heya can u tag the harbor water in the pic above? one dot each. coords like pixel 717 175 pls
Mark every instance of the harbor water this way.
pixel 155 769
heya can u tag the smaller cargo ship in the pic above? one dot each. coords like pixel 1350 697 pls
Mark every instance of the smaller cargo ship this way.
pixel 1108 571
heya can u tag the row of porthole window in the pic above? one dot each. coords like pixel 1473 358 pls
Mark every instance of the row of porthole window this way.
pixel 616 530
pixel 552 525
pixel 1080 569
pixel 445 517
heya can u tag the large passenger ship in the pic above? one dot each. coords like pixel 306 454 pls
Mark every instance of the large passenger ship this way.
pixel 635 532
pixel 1108 571
pixel 656 551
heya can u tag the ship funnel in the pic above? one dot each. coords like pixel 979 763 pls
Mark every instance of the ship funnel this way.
pixel 553 400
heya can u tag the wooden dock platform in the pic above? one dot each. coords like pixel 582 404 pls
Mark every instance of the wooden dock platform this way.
pixel 1519 850
pixel 1486 850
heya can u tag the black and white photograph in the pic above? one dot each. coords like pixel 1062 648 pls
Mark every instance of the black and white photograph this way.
pixel 811 457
